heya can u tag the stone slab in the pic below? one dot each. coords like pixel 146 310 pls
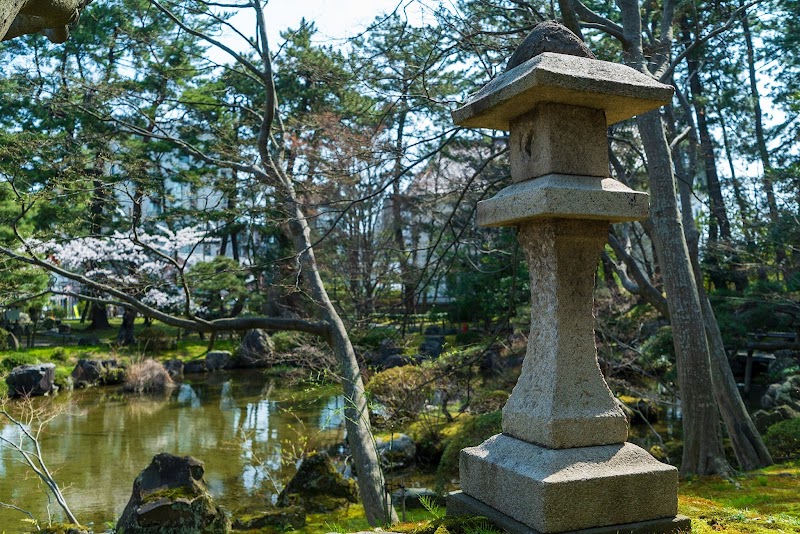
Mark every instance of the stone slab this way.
pixel 561 490
pixel 460 504
pixel 559 139
pixel 619 90
pixel 563 196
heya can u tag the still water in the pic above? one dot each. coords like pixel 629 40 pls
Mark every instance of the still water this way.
pixel 244 427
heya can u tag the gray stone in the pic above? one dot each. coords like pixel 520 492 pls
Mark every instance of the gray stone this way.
pixel 620 91
pixel 561 399
pixel 558 196
pixel 88 373
pixel 549 36
pixel 170 495
pixel 194 367
pixel 318 487
pixel 784 360
pixel 555 138
pixel 31 380
pixel 174 368
pixel 785 392
pixel 396 452
pixel 461 504
pixel 256 350
pixel 553 490
pixel 432 346
pixel 218 359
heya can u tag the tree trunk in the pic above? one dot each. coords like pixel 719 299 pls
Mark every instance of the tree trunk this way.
pixel 749 448
pixel 702 452
pixel 99 317
pixel 126 335
pixel 761 141
pixel 377 504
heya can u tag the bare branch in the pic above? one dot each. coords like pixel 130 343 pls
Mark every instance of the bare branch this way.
pixel 591 19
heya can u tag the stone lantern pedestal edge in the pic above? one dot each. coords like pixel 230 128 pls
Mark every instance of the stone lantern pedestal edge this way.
pixel 461 504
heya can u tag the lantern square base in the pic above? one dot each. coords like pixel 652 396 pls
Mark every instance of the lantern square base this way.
pixel 566 490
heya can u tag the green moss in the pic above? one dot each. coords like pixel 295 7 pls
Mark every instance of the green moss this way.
pixel 15 359
pixel 450 525
pixel 783 439
pixel 764 501
pixel 171 494
pixel 472 431
pixel 63 378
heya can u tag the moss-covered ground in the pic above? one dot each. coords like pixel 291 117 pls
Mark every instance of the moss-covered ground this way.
pixel 763 501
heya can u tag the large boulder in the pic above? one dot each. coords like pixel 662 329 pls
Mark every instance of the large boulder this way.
pixel 218 359
pixel 318 487
pixel 194 367
pixel 786 392
pixel 397 451
pixel 256 350
pixel 31 380
pixel 432 346
pixel 174 367
pixel 170 497
pixel 764 419
pixel 89 373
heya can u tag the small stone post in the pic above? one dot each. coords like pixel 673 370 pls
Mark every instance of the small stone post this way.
pixel 562 463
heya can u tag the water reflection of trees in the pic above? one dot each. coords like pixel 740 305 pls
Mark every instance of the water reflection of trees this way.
pixel 239 428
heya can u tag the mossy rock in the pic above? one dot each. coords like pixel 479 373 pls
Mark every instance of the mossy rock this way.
pixel 318 487
pixel 170 497
pixel 469 434
pixel 279 519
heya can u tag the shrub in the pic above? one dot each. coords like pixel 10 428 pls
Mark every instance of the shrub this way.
pixel 59 355
pixel 286 341
pixel 58 312
pixel 371 339
pixel 154 340
pixel 148 376
pixel 473 432
pixel 783 439
pixel 470 337
pixel 18 358
pixel 403 391
pixel 63 378
pixel 3 339
pixel 659 347
pixel 490 401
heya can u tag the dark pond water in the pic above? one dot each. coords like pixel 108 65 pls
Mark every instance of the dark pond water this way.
pixel 243 426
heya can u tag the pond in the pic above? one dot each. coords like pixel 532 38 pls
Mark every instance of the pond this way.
pixel 245 427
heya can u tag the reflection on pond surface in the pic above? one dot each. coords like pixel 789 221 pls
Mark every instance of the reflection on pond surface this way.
pixel 239 424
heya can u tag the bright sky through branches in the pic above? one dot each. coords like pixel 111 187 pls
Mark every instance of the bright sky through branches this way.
pixel 335 20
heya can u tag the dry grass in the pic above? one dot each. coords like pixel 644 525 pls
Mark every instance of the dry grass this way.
pixel 148 376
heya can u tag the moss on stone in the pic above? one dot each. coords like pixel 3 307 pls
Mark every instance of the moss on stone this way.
pixel 63 528
pixel 181 492
pixel 472 432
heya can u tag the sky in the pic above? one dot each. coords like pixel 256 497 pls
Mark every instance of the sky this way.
pixel 336 20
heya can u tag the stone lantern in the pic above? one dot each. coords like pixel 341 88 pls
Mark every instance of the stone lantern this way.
pixel 562 463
